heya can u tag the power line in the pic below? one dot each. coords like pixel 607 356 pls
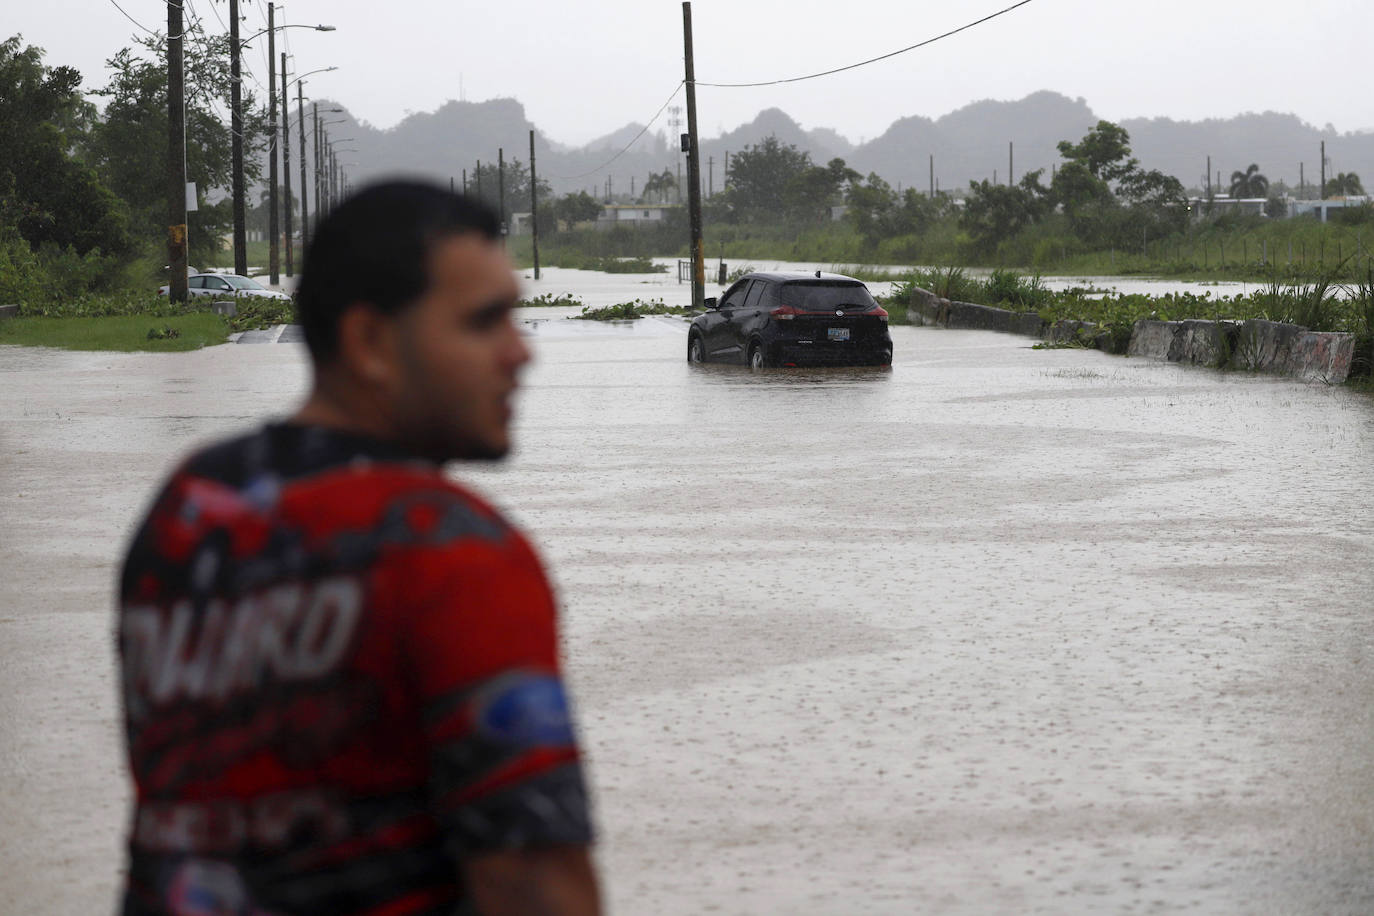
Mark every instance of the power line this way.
pixel 132 19
pixel 864 63
pixel 641 133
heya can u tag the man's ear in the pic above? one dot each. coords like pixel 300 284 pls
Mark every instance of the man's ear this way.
pixel 367 344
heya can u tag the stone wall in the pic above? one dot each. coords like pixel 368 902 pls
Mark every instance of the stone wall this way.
pixel 1255 345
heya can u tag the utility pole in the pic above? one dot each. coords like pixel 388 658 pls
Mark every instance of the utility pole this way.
pixel 1011 161
pixel 534 208
pixel 1209 177
pixel 465 181
pixel 286 161
pixel 932 176
pixel 273 251
pixel 236 141
pixel 479 179
pixel 305 196
pixel 1323 197
pixel 1302 181
pixel 315 162
pixel 710 176
pixel 176 158
pixel 501 189
pixel 693 150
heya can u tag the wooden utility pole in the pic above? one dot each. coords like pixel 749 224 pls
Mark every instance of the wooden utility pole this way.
pixel 710 176
pixel 534 208
pixel 317 173
pixel 1011 162
pixel 1209 177
pixel 305 194
pixel 176 158
pixel 932 176
pixel 236 141
pixel 501 189
pixel 465 181
pixel 693 167
pixel 286 163
pixel 273 245
pixel 1323 196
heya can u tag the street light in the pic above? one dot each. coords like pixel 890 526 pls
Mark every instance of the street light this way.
pixel 286 157
pixel 329 191
pixel 236 129
pixel 321 203
pixel 336 173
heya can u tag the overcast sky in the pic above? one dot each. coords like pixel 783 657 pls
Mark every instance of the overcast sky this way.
pixel 585 69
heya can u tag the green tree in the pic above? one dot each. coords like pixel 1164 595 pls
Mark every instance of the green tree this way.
pixel 1105 195
pixel 1249 183
pixel 811 192
pixel 994 213
pixel 49 195
pixel 1105 151
pixel 756 190
pixel 578 207
pixel 516 177
pixel 659 187
pixel 129 145
pixel 1156 203
pixel 1346 184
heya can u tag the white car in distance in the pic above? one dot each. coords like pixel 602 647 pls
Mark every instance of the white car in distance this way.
pixel 226 286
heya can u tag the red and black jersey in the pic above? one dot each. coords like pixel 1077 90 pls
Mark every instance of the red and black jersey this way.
pixel 340 674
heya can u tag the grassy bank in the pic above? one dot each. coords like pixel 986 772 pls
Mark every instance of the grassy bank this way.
pixel 126 333
pixel 1250 248
pixel 135 322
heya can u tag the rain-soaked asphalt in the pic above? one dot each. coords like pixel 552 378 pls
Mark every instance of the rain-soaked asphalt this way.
pixel 996 631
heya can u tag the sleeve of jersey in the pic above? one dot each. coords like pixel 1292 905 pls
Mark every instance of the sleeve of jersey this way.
pixel 482 651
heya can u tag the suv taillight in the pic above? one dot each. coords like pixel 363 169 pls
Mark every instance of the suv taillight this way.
pixel 785 312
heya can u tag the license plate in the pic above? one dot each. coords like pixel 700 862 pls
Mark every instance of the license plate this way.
pixel 837 333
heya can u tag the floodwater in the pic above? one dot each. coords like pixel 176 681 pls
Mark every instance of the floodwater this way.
pixel 1150 286
pixel 995 630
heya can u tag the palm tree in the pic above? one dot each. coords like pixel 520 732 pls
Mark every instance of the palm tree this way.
pixel 1249 183
pixel 1346 184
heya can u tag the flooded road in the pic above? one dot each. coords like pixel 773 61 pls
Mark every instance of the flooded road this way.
pixel 997 630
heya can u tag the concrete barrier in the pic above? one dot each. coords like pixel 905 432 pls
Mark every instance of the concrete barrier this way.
pixel 1204 343
pixel 924 308
pixel 1323 356
pixel 1256 345
pixel 946 313
pixel 1263 346
pixel 971 317
pixel 1153 339
pixel 226 308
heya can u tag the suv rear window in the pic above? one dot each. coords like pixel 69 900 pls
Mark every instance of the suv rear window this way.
pixel 825 295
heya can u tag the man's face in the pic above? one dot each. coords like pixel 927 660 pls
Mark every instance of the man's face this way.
pixel 460 354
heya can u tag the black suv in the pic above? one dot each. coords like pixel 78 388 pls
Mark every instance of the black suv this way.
pixel 792 319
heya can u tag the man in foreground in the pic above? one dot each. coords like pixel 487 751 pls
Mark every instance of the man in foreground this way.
pixel 341 679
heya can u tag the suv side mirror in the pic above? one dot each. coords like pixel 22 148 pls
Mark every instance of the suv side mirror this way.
pixel 711 303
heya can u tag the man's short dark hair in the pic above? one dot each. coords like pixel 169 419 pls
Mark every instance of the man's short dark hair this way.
pixel 373 248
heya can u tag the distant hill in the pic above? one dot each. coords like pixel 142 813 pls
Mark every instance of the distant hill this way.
pixel 970 143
